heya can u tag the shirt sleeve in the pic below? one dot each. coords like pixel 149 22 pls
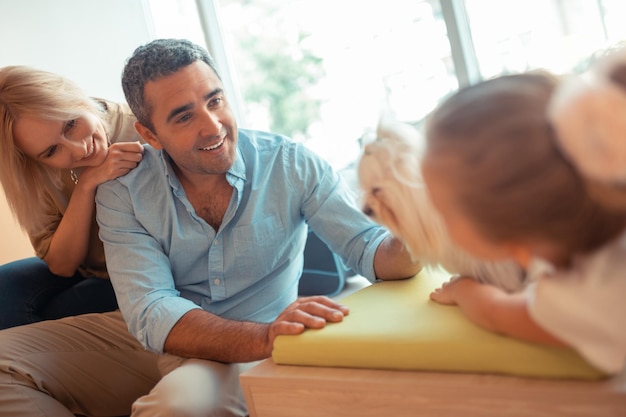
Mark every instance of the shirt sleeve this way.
pixel 40 239
pixel 139 269
pixel 585 307
pixel 331 210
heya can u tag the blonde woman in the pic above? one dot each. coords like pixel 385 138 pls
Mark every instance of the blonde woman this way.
pixel 56 146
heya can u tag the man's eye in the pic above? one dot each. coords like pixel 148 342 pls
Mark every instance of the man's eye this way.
pixel 183 118
pixel 216 101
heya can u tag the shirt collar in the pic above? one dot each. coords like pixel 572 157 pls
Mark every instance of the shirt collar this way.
pixel 539 267
pixel 238 170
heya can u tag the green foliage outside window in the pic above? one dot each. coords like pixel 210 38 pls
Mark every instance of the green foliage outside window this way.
pixel 280 78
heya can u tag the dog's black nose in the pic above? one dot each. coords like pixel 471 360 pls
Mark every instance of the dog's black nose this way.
pixel 368 211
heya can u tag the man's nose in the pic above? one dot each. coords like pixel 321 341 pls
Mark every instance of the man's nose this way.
pixel 211 125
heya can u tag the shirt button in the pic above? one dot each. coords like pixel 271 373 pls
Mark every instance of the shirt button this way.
pixel 216 281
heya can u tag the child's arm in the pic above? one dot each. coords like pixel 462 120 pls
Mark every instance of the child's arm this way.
pixel 494 309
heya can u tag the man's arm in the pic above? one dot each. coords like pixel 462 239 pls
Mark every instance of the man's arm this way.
pixel 393 261
pixel 160 318
pixel 494 309
pixel 199 334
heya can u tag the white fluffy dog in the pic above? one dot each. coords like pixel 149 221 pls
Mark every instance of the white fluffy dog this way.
pixel 395 196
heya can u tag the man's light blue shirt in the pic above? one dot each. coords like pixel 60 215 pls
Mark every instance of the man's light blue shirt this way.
pixel 164 260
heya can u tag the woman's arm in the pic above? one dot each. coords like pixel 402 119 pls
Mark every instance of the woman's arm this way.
pixel 494 309
pixel 70 242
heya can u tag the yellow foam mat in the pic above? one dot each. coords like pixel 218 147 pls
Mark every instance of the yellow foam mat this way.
pixel 394 325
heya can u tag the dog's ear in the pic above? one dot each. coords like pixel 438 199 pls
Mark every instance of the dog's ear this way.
pixel 401 133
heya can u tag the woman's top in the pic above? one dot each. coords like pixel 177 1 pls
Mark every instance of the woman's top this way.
pixel 585 306
pixel 119 121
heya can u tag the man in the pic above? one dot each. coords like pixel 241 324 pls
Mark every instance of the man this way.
pixel 204 240
pixel 204 247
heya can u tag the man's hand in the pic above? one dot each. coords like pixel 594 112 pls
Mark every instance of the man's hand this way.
pixel 200 334
pixel 306 312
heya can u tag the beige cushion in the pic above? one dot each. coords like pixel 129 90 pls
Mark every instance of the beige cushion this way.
pixel 394 325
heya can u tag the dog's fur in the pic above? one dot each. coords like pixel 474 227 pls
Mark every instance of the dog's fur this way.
pixel 395 196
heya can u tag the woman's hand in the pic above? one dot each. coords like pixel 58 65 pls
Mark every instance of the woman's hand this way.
pixel 121 158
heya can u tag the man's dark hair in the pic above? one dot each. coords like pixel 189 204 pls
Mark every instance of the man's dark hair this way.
pixel 153 60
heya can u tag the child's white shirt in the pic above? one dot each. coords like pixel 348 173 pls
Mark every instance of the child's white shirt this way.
pixel 585 306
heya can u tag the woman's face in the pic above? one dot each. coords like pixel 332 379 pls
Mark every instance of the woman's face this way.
pixel 70 144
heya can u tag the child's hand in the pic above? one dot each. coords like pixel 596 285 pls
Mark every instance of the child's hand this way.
pixel 493 309
pixel 454 290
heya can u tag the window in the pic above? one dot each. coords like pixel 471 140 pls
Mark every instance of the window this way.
pixel 513 36
pixel 321 71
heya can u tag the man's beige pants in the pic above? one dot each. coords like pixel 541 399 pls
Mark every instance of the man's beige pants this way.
pixel 90 365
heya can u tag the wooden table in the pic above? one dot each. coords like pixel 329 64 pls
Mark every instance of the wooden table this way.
pixel 305 391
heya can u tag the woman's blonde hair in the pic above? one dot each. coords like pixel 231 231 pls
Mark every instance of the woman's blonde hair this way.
pixel 27 183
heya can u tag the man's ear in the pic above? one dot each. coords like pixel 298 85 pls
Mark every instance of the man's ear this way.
pixel 148 135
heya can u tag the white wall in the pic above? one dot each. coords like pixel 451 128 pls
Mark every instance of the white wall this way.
pixel 85 40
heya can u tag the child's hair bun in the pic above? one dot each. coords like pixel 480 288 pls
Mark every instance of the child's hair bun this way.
pixel 588 112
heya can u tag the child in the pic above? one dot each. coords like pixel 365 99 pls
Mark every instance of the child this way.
pixel 533 168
